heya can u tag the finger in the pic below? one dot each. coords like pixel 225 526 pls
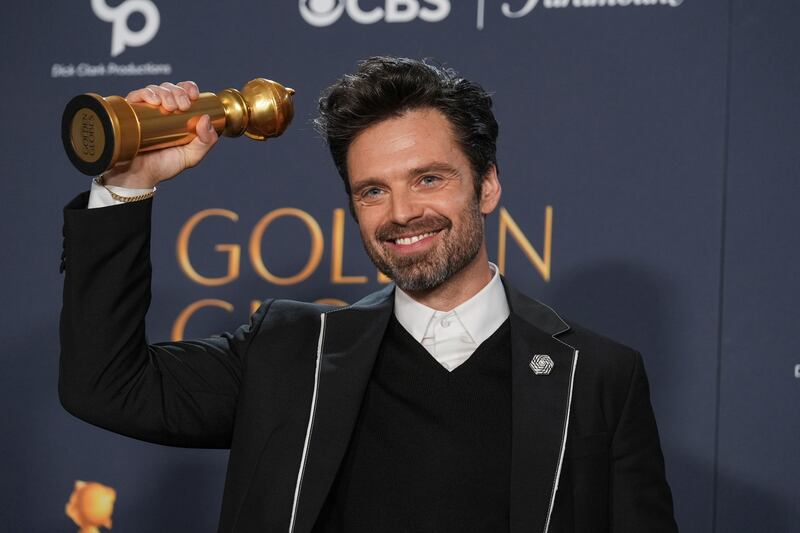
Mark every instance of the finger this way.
pixel 179 94
pixel 191 88
pixel 167 100
pixel 143 95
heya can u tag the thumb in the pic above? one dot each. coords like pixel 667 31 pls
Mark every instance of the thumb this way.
pixel 206 138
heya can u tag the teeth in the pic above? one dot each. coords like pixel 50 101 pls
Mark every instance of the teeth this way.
pixel 412 240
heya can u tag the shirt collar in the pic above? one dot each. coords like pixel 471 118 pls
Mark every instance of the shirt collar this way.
pixel 481 315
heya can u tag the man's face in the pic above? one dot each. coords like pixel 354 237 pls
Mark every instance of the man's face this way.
pixel 414 197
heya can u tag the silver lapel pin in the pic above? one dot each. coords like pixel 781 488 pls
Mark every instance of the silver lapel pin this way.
pixel 541 364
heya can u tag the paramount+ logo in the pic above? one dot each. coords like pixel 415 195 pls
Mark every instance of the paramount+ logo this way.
pixel 322 13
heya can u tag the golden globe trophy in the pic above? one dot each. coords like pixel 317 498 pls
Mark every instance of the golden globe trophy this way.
pixel 100 133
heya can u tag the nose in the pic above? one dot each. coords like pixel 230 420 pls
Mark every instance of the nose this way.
pixel 405 207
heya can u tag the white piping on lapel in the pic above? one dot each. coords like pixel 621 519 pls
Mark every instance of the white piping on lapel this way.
pixel 563 437
pixel 311 414
pixel 563 449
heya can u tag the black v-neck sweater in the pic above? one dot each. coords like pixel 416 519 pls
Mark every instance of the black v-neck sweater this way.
pixel 431 449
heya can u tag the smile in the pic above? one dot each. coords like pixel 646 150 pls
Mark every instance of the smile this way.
pixel 405 241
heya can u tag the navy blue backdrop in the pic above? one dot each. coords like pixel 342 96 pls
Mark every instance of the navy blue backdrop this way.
pixel 649 159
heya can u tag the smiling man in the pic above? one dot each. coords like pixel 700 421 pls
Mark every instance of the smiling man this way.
pixel 419 208
pixel 445 402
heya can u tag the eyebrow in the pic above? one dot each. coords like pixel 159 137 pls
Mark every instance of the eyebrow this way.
pixel 424 169
pixel 433 167
pixel 365 183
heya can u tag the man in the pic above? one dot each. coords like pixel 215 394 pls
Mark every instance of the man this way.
pixel 445 402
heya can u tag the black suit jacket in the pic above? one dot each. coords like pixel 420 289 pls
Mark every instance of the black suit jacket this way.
pixel 284 391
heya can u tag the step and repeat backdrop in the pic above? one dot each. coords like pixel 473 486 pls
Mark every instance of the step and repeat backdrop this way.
pixel 648 156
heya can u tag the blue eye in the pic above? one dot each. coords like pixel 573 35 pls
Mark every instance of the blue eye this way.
pixel 371 193
pixel 429 180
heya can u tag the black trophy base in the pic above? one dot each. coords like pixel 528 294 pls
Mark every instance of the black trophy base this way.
pixel 88 134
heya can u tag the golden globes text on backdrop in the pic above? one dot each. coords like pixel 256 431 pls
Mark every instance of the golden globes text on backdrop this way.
pixel 307 227
pixel 100 133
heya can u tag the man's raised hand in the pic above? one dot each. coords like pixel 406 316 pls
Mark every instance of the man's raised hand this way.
pixel 150 168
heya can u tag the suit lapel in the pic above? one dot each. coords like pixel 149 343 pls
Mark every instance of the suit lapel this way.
pixel 349 348
pixel 540 411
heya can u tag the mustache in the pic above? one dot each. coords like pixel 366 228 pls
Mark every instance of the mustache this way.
pixel 391 231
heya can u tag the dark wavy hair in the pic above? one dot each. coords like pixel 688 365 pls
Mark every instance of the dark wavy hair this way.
pixel 387 87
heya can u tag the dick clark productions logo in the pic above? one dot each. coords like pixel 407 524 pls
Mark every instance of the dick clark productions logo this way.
pixel 325 12
pixel 121 34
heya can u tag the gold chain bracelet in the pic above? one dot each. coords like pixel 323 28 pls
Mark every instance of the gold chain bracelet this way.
pixel 125 199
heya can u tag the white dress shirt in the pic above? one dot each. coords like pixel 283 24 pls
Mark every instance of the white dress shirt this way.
pixel 451 337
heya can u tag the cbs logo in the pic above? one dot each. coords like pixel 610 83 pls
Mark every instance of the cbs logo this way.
pixel 121 34
pixel 322 13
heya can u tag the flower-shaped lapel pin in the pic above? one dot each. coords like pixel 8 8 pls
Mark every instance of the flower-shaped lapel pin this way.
pixel 541 364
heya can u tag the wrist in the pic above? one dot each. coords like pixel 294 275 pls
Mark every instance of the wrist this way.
pixel 117 178
pixel 121 194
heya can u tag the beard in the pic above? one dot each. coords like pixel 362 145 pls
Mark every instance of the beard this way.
pixel 457 246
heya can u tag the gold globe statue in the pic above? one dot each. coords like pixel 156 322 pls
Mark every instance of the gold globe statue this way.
pixel 100 133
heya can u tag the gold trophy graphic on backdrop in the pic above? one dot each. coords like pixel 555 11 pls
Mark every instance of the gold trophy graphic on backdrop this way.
pixel 100 133
pixel 90 506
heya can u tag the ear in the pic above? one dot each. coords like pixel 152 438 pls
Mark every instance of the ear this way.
pixel 490 191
